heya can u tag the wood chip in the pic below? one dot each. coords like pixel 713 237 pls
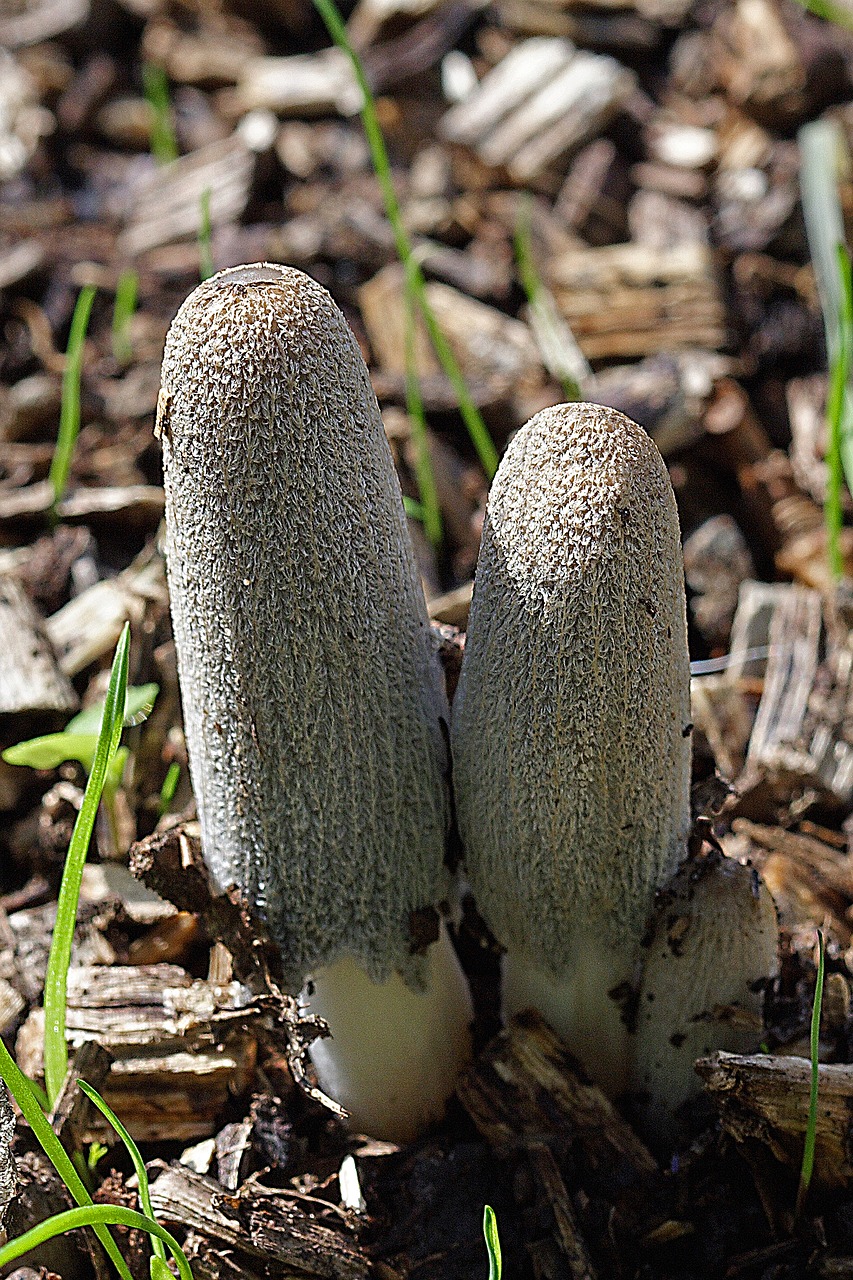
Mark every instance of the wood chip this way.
pixel 166 205
pixel 540 103
pixel 305 84
pixel 30 677
pixel 489 345
pixel 179 1044
pixel 764 1101
pixel 629 300
pixel 88 627
pixel 257 1226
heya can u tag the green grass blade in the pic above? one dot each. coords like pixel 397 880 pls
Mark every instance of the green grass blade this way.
pixel 807 1167
pixel 93 1216
pixel 560 352
pixel 124 309
pixel 69 413
pixel 839 427
pixel 205 236
pixel 132 1150
pixel 420 438
pixel 25 1096
pixel 164 144
pixel 836 13
pixel 493 1244
pixel 56 979
pixel 414 277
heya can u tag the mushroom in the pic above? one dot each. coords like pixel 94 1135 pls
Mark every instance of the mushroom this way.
pixel 713 949
pixel 313 700
pixel 571 724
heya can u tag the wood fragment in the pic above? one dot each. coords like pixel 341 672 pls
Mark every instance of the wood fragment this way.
pixel 305 84
pixel 256 1226
pixel 570 1241
pixel 489 345
pixel 764 1100
pixel 181 1046
pixel 540 103
pixel 31 680
pixel 629 300
pixel 526 1086
pixel 88 627
pixel 166 205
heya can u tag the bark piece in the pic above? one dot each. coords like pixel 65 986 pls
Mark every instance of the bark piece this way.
pixel 542 101
pixel 716 563
pixel 88 627
pixel 30 677
pixel 629 300
pixel 491 347
pixel 526 1087
pixel 764 1101
pixel 181 1046
pixel 166 206
pixel 257 1226
pixel 305 84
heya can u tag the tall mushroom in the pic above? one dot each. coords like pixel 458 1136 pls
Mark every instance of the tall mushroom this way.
pixel 313 700
pixel 571 733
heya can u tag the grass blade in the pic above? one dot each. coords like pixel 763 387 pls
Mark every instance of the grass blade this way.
pixel 25 1096
pixel 164 144
pixel 94 1215
pixel 430 509
pixel 807 1166
pixel 56 979
pixel 69 414
pixel 133 1151
pixel 493 1244
pixel 205 235
pixel 124 309
pixel 414 278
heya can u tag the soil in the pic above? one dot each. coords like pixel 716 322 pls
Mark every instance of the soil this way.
pixel 662 218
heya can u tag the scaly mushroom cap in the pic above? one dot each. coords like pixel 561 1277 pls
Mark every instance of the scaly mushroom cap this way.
pixel 571 721
pixel 312 695
pixel 714 945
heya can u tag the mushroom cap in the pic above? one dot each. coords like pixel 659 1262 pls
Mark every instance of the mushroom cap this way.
pixel 313 699
pixel 571 721
pixel 714 944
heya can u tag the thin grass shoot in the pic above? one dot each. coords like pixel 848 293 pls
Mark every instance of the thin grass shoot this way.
pixel 133 1151
pixel 415 282
pixel 163 142
pixel 56 978
pixel 493 1243
pixel 124 309
pixel 430 508
pixel 28 1103
pixel 98 1216
pixel 69 414
pixel 205 237
pixel 839 417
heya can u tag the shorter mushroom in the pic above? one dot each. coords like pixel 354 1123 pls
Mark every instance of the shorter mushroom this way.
pixel 713 949
pixel 571 734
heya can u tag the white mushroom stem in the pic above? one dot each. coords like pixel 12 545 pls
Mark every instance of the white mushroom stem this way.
pixel 395 1052
pixel 714 947
pixel 313 700
pixel 584 1004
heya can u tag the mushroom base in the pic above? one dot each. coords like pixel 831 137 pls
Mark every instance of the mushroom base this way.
pixel 394 1054
pixel 578 1005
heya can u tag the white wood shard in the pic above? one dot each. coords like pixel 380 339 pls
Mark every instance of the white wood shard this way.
pixel 166 204
pixel 305 84
pixel 30 678
pixel 542 101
